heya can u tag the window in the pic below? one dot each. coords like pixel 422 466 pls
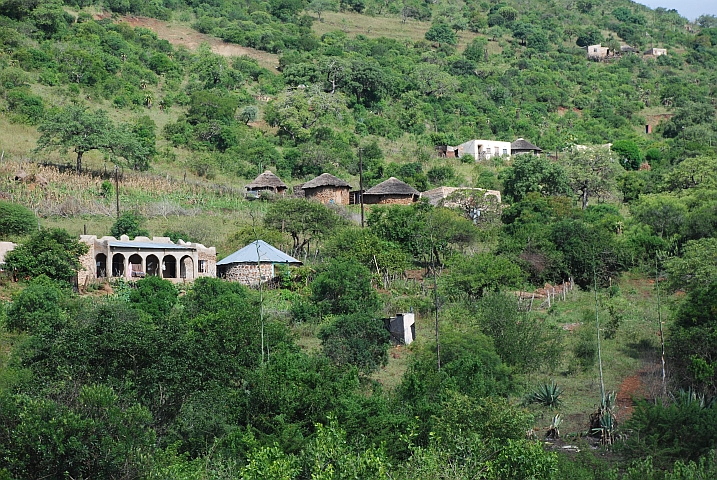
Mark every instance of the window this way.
pixel 505 151
pixel 202 267
pixel 487 150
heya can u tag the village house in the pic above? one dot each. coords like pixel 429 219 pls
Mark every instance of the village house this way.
pixel 656 52
pixel 327 188
pixel 521 146
pixel 254 263
pixel 484 149
pixel 597 52
pixel 266 182
pixel 391 191
pixel 446 151
pixel 128 259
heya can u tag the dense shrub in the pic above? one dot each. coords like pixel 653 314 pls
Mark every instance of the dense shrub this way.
pixel 15 219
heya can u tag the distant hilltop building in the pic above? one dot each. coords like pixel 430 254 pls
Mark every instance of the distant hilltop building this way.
pixel 522 146
pixel 656 52
pixel 484 149
pixel 597 52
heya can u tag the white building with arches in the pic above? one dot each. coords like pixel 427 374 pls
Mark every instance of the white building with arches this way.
pixel 128 259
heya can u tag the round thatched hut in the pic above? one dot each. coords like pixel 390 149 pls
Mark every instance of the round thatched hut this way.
pixel 391 191
pixel 267 182
pixel 327 188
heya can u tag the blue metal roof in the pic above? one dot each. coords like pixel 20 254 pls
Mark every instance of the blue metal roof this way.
pixel 265 254
pixel 151 245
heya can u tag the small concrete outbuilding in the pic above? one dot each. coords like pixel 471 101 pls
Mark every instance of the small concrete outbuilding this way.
pixel 254 263
pixel 327 188
pixel 391 191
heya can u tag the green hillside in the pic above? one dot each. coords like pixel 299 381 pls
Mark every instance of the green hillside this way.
pixel 565 333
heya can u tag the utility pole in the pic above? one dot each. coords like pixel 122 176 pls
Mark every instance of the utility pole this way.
pixel 117 189
pixel 361 181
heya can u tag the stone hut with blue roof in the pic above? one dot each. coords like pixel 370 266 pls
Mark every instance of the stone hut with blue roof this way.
pixel 254 263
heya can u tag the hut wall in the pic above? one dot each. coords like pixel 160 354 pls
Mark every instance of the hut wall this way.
pixel 248 274
pixel 328 194
pixel 211 262
pixel 388 199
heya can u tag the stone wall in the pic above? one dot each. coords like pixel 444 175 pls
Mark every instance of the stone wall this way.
pixel 328 194
pixel 388 199
pixel 248 274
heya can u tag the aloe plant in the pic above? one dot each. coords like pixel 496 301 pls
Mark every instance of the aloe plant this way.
pixel 603 423
pixel 547 395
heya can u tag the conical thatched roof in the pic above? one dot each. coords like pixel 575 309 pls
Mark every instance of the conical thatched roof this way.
pixel 523 144
pixel 392 186
pixel 266 180
pixel 325 180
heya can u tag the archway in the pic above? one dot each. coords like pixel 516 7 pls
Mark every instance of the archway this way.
pixel 135 266
pixel 152 265
pixel 186 268
pixel 169 267
pixel 101 265
pixel 118 265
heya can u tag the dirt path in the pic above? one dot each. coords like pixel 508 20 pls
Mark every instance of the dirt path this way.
pixel 646 384
pixel 190 38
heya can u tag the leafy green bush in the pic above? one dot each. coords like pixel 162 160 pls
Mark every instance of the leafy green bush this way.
pixel 48 252
pixel 585 350
pixel 36 309
pixel 15 219
pixel 358 339
pixel 130 224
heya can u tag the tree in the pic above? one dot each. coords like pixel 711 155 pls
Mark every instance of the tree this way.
pixel 15 219
pixel 628 154
pixel 696 266
pixel 53 253
pixel 589 36
pixel 441 33
pixel 482 273
pixel 249 114
pixel 296 112
pixel 531 173
pixel 36 309
pixel 344 288
pixel 130 224
pixel 666 214
pixel 521 339
pixel 358 339
pixel 320 6
pixel 75 127
pixel 591 172
pixel 155 296
pixel 304 220
pixel 430 80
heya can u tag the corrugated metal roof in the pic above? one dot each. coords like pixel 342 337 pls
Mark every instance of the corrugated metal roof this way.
pixel 151 245
pixel 266 254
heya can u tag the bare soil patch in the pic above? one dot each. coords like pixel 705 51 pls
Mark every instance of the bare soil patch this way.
pixel 188 37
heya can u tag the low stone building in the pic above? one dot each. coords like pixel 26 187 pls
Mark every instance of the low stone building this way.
pixel 266 182
pixel 128 259
pixel 521 146
pixel 597 52
pixel 254 263
pixel 444 196
pixel 391 191
pixel 327 188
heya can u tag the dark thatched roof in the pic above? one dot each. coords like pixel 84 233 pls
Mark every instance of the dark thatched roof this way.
pixel 523 144
pixel 392 186
pixel 266 179
pixel 325 180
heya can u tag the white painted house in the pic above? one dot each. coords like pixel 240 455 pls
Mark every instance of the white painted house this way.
pixel 484 149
